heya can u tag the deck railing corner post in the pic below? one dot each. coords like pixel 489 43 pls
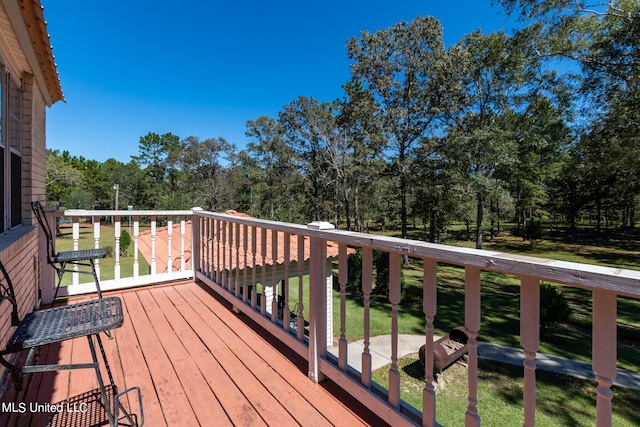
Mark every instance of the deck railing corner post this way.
pixel 317 299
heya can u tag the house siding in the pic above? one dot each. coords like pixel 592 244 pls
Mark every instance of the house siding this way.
pixel 20 251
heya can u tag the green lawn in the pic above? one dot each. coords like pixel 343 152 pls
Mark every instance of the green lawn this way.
pixel 560 400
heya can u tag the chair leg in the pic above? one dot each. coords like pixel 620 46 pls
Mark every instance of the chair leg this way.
pixel 103 391
pixel 96 280
pixel 60 273
pixel 113 416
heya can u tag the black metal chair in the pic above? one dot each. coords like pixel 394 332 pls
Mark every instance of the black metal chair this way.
pixel 60 260
pixel 62 323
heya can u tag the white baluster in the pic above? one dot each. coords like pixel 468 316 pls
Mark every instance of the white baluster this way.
pixel 136 233
pixel 169 245
pixel 245 249
pixel 153 245
pixel 75 235
pixel 342 280
pixel 230 255
pixel 429 307
pixel 367 267
pixel 96 243
pixel 117 231
pixel 237 243
pixel 183 231
pixel 604 347
pixel 263 254
pixel 300 265
pixel 218 251
pixel 394 299
pixel 254 280
pixel 287 260
pixel 223 267
pixel 274 276
pixel 472 323
pixel 530 341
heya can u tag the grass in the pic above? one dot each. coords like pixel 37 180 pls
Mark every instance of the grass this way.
pixel 561 400
pixel 64 242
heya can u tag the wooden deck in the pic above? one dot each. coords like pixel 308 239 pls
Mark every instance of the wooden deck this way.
pixel 197 363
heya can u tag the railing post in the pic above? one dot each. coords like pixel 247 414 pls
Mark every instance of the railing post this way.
pixel 317 300
pixel 48 280
pixel 195 241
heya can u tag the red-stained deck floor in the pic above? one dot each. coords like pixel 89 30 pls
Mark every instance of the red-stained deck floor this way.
pixel 197 363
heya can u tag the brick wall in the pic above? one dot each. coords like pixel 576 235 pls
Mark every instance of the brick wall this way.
pixel 19 248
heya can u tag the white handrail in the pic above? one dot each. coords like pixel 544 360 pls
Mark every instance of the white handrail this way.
pixel 175 251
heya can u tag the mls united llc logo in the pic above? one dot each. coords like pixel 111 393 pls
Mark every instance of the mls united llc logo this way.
pixel 22 407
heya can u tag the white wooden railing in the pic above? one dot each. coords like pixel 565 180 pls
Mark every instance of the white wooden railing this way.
pixel 234 256
pixel 173 237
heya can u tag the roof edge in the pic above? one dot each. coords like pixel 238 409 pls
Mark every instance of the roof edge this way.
pixel 33 15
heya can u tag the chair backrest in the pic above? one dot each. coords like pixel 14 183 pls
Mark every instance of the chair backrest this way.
pixel 6 292
pixel 38 210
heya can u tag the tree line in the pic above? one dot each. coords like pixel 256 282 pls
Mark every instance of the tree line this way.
pixel 538 125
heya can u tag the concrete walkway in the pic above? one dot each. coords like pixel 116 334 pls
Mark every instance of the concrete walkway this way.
pixel 380 350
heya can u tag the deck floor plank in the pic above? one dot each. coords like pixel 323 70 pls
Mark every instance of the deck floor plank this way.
pixel 328 405
pixel 175 405
pixel 260 396
pixel 135 370
pixel 238 408
pixel 283 392
pixel 202 400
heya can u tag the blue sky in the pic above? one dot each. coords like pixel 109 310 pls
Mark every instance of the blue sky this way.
pixel 203 68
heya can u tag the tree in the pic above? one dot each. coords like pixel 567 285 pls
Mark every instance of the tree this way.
pixel 154 155
pixel 499 91
pixel 401 67
pixel 202 173
pixel 359 120
pixel 61 177
pixel 270 164
pixel 603 39
pixel 308 124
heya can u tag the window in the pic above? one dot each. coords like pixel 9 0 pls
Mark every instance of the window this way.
pixel 10 151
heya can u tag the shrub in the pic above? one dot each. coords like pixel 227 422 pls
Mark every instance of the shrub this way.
pixel 533 231
pixel 553 305
pixel 354 270
pixel 125 242
pixel 380 267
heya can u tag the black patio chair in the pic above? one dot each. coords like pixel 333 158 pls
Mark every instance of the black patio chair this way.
pixel 55 325
pixel 60 261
